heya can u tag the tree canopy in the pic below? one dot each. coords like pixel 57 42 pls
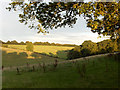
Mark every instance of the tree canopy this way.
pixel 29 46
pixel 101 17
pixel 90 48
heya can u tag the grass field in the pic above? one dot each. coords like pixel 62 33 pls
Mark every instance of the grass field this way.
pixel 98 72
pixel 58 51
pixel 13 57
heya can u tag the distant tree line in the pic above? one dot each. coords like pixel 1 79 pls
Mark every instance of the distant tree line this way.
pixel 35 43
pixel 90 48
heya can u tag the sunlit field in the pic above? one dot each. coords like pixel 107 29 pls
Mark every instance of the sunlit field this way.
pixel 58 51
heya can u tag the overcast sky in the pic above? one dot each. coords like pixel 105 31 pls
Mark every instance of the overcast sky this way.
pixel 12 29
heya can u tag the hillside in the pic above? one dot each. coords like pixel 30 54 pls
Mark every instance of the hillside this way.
pixel 15 57
pixel 100 71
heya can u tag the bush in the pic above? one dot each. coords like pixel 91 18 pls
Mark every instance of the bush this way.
pixel 29 46
pixel 23 55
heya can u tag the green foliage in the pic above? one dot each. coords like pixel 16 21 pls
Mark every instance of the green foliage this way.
pixel 85 52
pixel 53 44
pixel 23 55
pixel 22 43
pixel 101 17
pixel 118 44
pixel 73 54
pixel 14 42
pixel 90 48
pixel 29 46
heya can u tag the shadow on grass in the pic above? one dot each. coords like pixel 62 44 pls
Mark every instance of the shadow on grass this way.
pixel 12 59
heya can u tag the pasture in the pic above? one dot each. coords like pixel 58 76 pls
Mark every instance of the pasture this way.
pixel 97 72
pixel 56 51
pixel 14 57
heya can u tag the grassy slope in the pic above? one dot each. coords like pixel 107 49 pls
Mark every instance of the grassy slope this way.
pixel 66 76
pixel 56 50
pixel 12 57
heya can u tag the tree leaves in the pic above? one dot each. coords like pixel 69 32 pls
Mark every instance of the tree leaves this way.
pixel 101 17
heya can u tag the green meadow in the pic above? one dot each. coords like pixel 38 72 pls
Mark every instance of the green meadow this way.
pixel 14 57
pixel 56 51
pixel 94 72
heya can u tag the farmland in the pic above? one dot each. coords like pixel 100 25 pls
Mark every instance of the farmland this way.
pixel 14 57
pixel 58 51
pixel 99 72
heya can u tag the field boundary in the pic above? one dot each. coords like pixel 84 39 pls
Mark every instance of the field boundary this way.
pixel 67 61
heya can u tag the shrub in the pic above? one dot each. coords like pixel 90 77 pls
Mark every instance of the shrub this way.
pixel 35 55
pixel 29 46
pixel 23 54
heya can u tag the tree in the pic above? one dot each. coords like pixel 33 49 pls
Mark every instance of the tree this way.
pixel 22 43
pixel 118 44
pixel 101 17
pixel 91 46
pixel 1 42
pixel 8 42
pixel 85 52
pixel 77 48
pixel 73 54
pixel 14 42
pixel 29 46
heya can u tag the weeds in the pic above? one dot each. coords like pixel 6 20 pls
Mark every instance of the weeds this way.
pixel 93 63
pixel 55 64
pixel 82 70
pixel 39 65
pixel 27 64
pixel 44 67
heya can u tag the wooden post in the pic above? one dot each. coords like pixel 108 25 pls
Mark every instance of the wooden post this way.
pixel 44 67
pixel 2 67
pixel 56 63
pixel 33 68
pixel 18 72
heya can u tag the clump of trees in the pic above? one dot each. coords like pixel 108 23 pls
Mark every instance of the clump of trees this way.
pixel 29 46
pixel 90 48
pixel 14 42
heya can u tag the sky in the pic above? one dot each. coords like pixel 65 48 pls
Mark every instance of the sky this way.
pixel 12 29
